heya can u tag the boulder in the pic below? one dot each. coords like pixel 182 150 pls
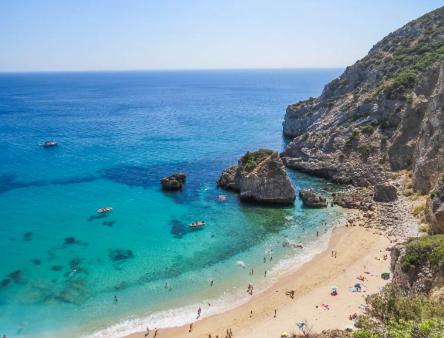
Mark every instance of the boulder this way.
pixel 385 193
pixel 173 182
pixel 311 199
pixel 261 177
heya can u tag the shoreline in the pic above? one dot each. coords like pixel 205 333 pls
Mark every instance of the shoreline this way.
pixel 356 248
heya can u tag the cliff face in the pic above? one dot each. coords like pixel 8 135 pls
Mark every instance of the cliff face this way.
pixel 386 112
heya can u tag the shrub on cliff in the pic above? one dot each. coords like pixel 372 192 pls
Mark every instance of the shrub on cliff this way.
pixel 391 314
pixel 427 249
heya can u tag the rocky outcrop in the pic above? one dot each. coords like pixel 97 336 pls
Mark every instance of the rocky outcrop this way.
pixel 435 209
pixel 173 182
pixel 384 113
pixel 354 198
pixel 385 193
pixel 259 176
pixel 416 268
pixel 311 199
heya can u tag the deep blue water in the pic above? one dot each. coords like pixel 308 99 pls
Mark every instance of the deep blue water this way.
pixel 118 134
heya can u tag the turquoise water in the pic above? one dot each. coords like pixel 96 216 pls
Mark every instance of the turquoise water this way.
pixel 118 134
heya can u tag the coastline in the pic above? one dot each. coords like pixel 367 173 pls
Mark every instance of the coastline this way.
pixel 356 249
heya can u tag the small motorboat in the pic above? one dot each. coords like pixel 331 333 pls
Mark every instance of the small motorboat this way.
pixel 104 210
pixel 48 144
pixel 198 224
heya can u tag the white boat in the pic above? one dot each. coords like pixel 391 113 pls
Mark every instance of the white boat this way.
pixel 198 224
pixel 104 210
pixel 48 144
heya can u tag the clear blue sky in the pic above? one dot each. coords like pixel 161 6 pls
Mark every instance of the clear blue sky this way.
pixel 188 34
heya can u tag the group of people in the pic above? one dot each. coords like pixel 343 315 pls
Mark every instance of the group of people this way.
pixel 148 332
pixel 228 334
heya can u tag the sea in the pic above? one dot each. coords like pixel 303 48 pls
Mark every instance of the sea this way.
pixel 68 271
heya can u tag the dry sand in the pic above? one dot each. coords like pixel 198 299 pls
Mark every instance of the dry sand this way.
pixel 359 250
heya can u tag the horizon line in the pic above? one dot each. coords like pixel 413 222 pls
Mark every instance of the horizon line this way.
pixel 163 70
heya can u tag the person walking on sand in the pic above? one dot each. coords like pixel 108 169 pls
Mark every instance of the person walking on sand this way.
pixel 335 253
pixel 275 313
pixel 191 327
pixel 155 333
pixel 251 314
pixel 147 332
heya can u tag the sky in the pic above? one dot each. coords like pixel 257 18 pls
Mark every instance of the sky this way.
pixel 78 35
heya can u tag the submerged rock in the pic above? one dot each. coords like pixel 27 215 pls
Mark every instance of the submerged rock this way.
pixel 4 283
pixel 16 276
pixel 120 254
pixel 27 236
pixel 173 182
pixel 311 199
pixel 259 176
pixel 385 193
pixel 71 240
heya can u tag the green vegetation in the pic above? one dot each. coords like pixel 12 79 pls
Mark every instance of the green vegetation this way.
pixel 368 129
pixel 418 210
pixel 423 250
pixel 393 315
pixel 365 150
pixel 251 159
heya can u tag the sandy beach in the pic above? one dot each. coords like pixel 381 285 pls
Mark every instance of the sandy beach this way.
pixel 359 251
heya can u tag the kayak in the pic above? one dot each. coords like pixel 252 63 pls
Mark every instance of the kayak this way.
pixel 104 210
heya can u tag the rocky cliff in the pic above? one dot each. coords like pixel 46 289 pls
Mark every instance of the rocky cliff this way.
pixel 384 113
pixel 259 176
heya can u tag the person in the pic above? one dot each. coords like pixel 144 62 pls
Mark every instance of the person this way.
pixel 317 233
pixel 271 258
pixel 147 332
pixel 116 299
pixel 265 273
pixel 251 313
pixel 211 283
pixel 199 311
pixel 335 253
pixel 332 253
pixel 155 333
pixel 252 272
pixel 191 327
pixel 275 312
pixel 265 260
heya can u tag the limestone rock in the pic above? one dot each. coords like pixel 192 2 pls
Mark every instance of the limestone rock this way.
pixel 435 209
pixel 385 193
pixel 385 112
pixel 261 177
pixel 311 199
pixel 173 182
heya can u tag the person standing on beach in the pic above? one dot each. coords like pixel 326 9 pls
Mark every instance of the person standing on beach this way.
pixel 147 332
pixel 155 333
pixel 317 234
pixel 251 314
pixel 191 327
pixel 199 311
pixel 211 283
pixel 265 260
pixel 265 273
pixel 275 313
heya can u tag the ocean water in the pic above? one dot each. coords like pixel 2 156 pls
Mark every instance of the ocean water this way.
pixel 118 134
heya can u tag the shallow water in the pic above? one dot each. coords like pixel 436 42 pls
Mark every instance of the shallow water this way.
pixel 118 134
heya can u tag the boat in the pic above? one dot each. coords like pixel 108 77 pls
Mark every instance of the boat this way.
pixel 48 144
pixel 104 210
pixel 198 224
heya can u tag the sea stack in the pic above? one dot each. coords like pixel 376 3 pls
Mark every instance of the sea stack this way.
pixel 259 176
pixel 173 182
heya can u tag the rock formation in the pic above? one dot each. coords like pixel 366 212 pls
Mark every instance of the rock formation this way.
pixel 384 113
pixel 173 182
pixel 259 176
pixel 385 193
pixel 435 209
pixel 311 199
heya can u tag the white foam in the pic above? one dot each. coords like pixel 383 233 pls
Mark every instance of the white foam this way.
pixel 187 314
